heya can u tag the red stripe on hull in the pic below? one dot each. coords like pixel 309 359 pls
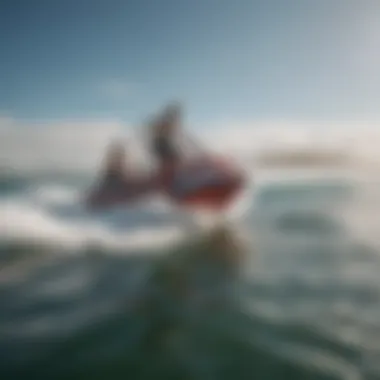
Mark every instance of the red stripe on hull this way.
pixel 213 197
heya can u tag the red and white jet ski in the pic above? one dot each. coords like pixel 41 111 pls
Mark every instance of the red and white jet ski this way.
pixel 210 183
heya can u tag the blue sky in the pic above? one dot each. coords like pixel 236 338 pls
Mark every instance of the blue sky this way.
pixel 227 60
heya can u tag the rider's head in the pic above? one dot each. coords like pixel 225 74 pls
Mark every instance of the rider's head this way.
pixel 171 118
pixel 173 112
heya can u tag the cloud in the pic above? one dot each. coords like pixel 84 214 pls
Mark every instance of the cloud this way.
pixel 261 135
pixel 71 145
pixel 78 145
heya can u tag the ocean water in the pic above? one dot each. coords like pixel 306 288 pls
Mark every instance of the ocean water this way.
pixel 138 294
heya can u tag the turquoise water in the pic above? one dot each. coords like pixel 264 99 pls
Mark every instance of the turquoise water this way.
pixel 119 296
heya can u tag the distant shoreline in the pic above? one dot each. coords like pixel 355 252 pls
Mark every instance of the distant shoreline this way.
pixel 303 159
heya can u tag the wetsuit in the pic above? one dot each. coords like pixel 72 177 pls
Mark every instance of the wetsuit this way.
pixel 164 150
pixel 114 180
pixel 167 156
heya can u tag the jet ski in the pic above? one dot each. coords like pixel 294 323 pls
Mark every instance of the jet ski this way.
pixel 200 184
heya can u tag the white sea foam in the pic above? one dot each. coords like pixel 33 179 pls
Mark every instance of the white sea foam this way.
pixel 53 214
pixel 25 221
pixel 56 195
